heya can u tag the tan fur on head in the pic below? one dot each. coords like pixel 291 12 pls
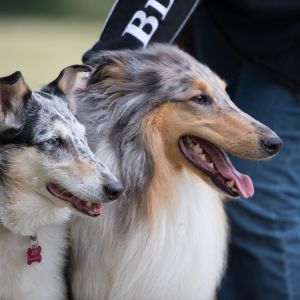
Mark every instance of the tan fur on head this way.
pixel 199 86
pixel 163 128
pixel 221 82
pixel 22 173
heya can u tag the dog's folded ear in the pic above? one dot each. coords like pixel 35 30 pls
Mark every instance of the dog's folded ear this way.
pixel 66 80
pixel 13 94
pixel 107 64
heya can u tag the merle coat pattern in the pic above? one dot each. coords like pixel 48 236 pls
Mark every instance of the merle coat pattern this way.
pixel 166 236
pixel 47 172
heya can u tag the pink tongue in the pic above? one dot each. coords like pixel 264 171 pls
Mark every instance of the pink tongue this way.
pixel 242 182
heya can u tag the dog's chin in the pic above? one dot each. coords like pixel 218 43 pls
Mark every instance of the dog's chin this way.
pixel 215 164
pixel 78 205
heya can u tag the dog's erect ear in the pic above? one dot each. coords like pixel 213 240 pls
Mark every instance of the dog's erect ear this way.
pixel 67 83
pixel 13 93
pixel 66 80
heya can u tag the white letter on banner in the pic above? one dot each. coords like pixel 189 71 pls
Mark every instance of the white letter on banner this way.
pixel 159 7
pixel 137 31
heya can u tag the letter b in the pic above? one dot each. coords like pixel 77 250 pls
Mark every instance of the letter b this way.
pixel 138 30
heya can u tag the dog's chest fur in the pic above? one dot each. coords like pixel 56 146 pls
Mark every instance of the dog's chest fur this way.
pixel 182 259
pixel 37 281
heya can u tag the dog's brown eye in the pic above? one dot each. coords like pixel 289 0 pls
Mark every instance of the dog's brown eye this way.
pixel 202 99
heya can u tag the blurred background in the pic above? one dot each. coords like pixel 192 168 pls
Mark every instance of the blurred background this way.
pixel 40 38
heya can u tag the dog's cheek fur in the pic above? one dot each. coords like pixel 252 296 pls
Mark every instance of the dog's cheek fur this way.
pixel 21 173
pixel 21 197
pixel 164 129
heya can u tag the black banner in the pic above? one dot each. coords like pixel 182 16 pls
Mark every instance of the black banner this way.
pixel 136 23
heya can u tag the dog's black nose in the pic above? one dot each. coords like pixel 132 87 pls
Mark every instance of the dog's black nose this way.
pixel 271 144
pixel 113 190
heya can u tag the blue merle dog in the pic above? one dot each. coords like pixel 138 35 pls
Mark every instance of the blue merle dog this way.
pixel 161 121
pixel 47 170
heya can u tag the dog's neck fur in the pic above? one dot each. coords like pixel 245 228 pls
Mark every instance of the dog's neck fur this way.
pixel 18 217
pixel 18 280
pixel 182 257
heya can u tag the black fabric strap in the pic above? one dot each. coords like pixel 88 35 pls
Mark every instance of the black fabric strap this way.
pixel 136 23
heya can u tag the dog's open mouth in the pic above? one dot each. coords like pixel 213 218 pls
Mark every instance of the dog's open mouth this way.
pixel 214 162
pixel 91 209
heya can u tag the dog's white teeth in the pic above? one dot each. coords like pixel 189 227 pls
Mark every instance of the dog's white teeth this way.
pixel 202 157
pixel 211 165
pixel 88 203
pixel 230 183
pixel 198 149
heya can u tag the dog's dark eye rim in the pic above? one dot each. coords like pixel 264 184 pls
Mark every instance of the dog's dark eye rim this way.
pixel 202 99
pixel 55 141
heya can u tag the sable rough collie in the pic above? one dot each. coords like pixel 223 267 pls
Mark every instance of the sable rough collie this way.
pixel 46 171
pixel 161 122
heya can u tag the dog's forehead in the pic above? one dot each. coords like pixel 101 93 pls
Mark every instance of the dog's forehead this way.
pixel 174 69
pixel 53 112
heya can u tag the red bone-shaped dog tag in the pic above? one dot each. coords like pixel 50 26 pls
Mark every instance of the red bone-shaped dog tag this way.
pixel 34 252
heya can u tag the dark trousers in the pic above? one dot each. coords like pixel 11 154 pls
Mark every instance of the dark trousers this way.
pixel 264 249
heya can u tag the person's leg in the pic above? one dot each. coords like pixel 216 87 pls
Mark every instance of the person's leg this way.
pixel 264 256
pixel 264 253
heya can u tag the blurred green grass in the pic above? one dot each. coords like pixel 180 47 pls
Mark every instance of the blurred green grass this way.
pixel 41 47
